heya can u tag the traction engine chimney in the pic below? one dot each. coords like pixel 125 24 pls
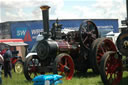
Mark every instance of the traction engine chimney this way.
pixel 45 14
pixel 125 22
pixel 127 8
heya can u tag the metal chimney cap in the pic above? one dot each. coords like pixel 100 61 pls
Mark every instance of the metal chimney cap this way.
pixel 45 7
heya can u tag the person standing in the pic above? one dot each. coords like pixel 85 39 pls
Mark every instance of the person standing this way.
pixel 7 63
pixel 1 64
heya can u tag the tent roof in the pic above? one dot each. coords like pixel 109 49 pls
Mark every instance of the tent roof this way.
pixel 15 43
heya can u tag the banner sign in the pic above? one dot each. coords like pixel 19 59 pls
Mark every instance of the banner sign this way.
pixel 28 30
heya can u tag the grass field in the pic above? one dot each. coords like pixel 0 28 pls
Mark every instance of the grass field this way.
pixel 78 79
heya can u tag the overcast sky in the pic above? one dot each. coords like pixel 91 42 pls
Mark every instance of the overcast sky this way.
pixel 22 10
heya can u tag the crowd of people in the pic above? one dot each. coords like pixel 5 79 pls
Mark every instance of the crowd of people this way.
pixel 5 61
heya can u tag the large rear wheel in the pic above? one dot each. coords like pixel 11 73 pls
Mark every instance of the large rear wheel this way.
pixel 100 46
pixel 111 68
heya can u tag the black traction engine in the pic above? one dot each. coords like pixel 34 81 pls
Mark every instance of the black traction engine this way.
pixel 63 53
pixel 75 45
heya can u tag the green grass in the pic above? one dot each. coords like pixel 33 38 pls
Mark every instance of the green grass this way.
pixel 78 79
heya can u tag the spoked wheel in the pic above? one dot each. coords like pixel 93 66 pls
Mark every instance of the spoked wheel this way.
pixel 18 67
pixel 64 66
pixel 88 33
pixel 91 61
pixel 31 66
pixel 111 68
pixel 122 43
pixel 100 47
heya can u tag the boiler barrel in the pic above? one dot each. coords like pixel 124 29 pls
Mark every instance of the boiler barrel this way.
pixel 46 49
pixel 50 48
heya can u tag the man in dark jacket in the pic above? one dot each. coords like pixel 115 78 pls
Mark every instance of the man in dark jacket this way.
pixel 7 63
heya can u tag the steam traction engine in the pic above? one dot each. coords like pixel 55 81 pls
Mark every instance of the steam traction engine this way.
pixel 62 53
pixel 115 62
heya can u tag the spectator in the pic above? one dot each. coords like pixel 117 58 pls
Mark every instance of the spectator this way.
pixel 1 64
pixel 7 63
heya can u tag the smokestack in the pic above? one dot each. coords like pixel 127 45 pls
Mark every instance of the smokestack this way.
pixel 125 22
pixel 127 8
pixel 45 14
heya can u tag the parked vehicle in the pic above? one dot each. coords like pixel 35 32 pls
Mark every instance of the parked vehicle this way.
pixel 113 63
pixel 19 51
pixel 62 53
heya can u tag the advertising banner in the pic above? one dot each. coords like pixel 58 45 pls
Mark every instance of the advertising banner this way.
pixel 28 30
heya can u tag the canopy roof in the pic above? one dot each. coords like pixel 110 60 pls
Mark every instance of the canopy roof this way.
pixel 13 42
